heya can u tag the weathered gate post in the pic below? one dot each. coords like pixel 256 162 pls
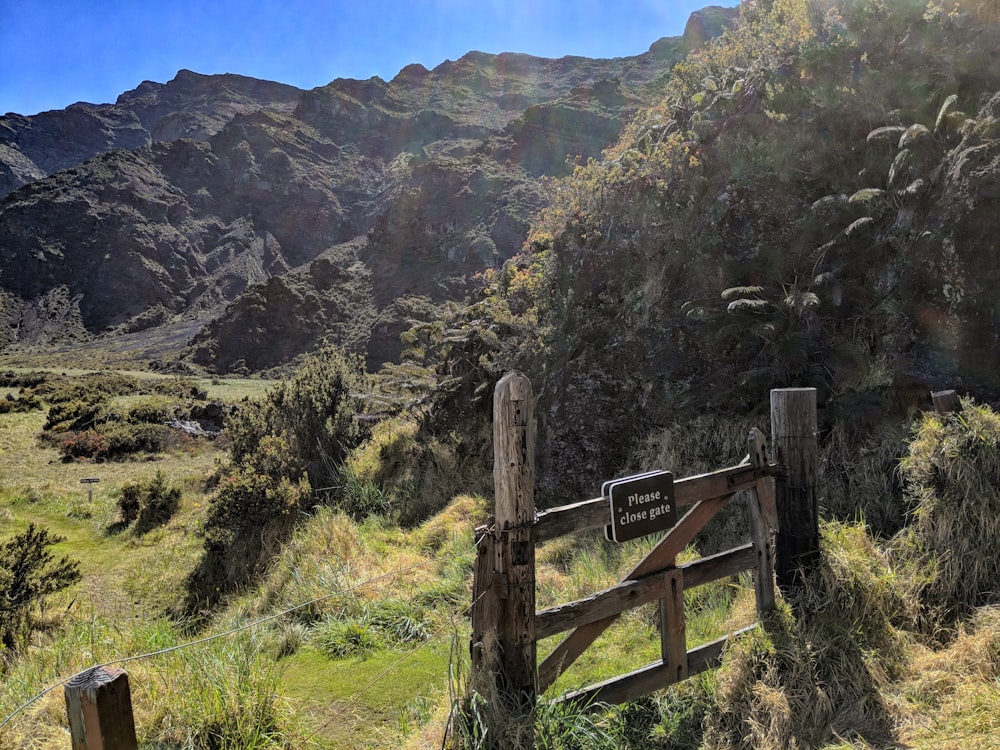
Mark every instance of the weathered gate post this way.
pixel 99 705
pixel 794 442
pixel 514 489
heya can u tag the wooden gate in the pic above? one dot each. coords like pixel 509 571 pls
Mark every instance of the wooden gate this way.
pixel 504 579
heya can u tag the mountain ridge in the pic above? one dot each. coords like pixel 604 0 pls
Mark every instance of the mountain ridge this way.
pixel 209 187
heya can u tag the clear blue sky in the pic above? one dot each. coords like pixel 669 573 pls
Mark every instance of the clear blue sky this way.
pixel 56 52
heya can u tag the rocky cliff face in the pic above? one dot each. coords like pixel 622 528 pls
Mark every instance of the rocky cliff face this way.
pixel 190 106
pixel 277 218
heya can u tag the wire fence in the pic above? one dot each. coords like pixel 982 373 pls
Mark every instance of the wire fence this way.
pixel 270 618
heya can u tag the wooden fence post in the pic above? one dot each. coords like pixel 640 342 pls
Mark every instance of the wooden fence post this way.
pixel 99 705
pixel 793 440
pixel 514 489
pixel 946 402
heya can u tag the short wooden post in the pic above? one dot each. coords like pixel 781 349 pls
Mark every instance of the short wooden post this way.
pixel 514 489
pixel 793 439
pixel 946 402
pixel 99 704
pixel 760 504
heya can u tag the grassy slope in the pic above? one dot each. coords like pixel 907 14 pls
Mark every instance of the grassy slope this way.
pixel 397 693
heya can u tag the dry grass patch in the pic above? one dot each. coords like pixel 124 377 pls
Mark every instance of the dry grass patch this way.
pixel 951 697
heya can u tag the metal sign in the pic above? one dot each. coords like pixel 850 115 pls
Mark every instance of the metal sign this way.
pixel 642 504
pixel 89 480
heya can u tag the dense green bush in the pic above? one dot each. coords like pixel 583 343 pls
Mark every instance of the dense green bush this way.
pixel 253 511
pixel 72 415
pixel 11 379
pixel 28 574
pixel 314 412
pixel 152 410
pixel 26 402
pixel 293 439
pixel 93 387
pixel 150 503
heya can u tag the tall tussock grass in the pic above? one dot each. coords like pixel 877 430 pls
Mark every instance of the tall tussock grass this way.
pixel 803 681
pixel 487 717
pixel 952 478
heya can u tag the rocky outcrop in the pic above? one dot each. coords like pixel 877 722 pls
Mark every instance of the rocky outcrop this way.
pixel 190 106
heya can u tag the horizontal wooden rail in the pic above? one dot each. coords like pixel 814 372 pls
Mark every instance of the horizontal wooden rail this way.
pixel 631 594
pixel 593 514
pixel 652 677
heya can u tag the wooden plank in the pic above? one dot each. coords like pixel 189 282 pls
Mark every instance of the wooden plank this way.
pixel 763 571
pixel 673 632
pixel 607 603
pixel 593 514
pixel 720 565
pixel 652 677
pixel 660 557
pixel 758 452
pixel 678 537
pixel 514 490
pixel 568 519
pixel 631 594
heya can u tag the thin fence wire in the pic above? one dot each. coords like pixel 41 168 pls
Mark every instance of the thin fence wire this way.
pixel 224 634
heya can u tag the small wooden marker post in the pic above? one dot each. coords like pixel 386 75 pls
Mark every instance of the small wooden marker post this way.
pixel 99 704
pixel 90 482
pixel 946 402
pixel 794 442
pixel 514 489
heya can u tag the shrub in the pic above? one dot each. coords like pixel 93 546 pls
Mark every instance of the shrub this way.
pixel 28 574
pixel 11 379
pixel 179 388
pixel 93 387
pixel 128 439
pixel 116 441
pixel 26 402
pixel 150 503
pixel 86 444
pixel 67 415
pixel 155 410
pixel 314 412
pixel 252 512
pixel 299 433
pixel 951 474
